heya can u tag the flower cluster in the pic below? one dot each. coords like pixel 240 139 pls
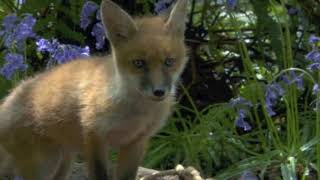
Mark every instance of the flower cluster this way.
pixel 272 94
pixel 14 62
pixel 14 32
pixel 314 58
pixel 241 104
pixel 314 55
pixel 61 53
pixel 89 9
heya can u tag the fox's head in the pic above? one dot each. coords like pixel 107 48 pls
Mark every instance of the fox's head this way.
pixel 149 52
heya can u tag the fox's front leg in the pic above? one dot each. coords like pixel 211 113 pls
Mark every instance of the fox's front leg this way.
pixel 129 159
pixel 96 156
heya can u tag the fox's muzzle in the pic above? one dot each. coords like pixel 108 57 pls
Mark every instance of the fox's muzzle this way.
pixel 156 84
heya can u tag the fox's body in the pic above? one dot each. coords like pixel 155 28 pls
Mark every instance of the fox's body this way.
pixel 50 106
pixel 92 105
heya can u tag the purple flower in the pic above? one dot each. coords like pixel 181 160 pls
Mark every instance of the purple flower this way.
pixel 66 53
pixel 99 33
pixel 313 56
pixel 286 79
pixel 25 28
pixel 297 79
pixel 272 94
pixel 240 101
pixel 9 22
pixel 8 25
pixel 231 4
pixel 293 78
pixel 162 5
pixel 15 32
pixel 62 53
pixel 14 62
pixel 87 11
pixel 315 89
pixel 314 67
pixel 313 39
pixel 240 122
pixel 44 45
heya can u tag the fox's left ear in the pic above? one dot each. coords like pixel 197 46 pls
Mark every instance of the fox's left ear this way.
pixel 176 21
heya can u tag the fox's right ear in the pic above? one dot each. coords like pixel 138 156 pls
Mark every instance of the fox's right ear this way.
pixel 118 24
pixel 176 21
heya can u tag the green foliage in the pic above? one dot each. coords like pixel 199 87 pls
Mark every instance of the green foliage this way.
pixel 205 141
pixel 247 48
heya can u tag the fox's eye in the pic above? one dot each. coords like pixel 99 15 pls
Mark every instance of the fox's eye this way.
pixel 139 63
pixel 168 62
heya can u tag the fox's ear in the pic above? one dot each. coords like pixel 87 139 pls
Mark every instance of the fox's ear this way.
pixel 118 24
pixel 176 21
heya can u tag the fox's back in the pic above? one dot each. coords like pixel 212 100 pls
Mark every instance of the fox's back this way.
pixel 50 102
pixel 63 102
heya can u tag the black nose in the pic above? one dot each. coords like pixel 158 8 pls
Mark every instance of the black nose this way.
pixel 158 92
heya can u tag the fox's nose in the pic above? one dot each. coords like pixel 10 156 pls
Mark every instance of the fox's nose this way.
pixel 159 93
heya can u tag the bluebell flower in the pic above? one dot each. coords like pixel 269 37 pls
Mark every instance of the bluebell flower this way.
pixel 24 29
pixel 241 104
pixel 14 62
pixel 62 53
pixel 15 32
pixel 240 101
pixel 272 94
pixel 43 45
pixel 286 79
pixel 293 78
pixel 297 79
pixel 313 56
pixel 9 22
pixel 99 33
pixel 313 39
pixel 231 4
pixel 162 5
pixel 8 26
pixel 315 89
pixel 89 8
pixel 314 67
pixel 240 122
pixel 65 53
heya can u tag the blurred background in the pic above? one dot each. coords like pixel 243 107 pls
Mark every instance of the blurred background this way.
pixel 247 105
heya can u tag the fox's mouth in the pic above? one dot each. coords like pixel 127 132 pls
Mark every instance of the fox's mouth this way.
pixel 153 98
pixel 158 98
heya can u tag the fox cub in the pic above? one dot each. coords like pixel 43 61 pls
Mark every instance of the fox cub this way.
pixel 93 105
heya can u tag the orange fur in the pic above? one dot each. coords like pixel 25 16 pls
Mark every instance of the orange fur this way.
pixel 93 105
